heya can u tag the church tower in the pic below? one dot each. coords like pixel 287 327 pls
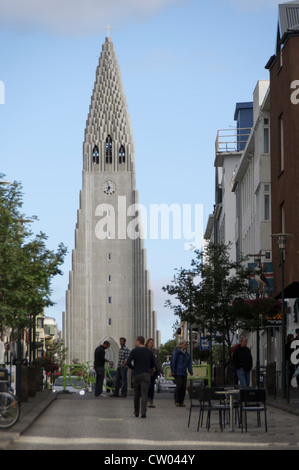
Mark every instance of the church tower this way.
pixel 109 293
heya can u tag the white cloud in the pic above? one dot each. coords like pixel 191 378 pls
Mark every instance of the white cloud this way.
pixel 75 16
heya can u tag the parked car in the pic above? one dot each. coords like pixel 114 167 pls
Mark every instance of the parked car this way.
pixel 163 385
pixel 59 386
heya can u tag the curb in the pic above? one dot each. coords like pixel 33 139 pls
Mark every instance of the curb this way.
pixel 288 407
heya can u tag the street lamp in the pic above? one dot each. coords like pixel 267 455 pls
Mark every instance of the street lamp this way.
pixel 282 242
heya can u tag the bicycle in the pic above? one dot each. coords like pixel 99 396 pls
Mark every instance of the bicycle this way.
pixel 9 406
pixel 109 376
pixel 79 371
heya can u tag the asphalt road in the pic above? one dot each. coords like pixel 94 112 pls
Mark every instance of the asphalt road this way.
pixel 108 424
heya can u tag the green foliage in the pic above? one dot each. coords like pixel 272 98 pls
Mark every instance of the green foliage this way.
pixel 166 350
pixel 204 295
pixel 56 350
pixel 26 265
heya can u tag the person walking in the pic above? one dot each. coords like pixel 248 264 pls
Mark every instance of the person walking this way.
pixel 180 364
pixel 121 380
pixel 141 360
pixel 99 366
pixel 242 360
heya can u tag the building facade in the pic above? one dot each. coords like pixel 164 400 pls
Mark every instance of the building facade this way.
pixel 242 214
pixel 109 294
pixel 284 115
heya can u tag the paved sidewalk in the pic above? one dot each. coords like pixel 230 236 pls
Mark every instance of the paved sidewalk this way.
pixel 31 410
pixel 292 406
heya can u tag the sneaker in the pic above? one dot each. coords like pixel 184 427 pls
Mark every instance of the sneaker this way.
pixel 103 395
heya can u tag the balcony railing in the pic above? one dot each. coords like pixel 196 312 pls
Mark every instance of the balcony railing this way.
pixel 232 140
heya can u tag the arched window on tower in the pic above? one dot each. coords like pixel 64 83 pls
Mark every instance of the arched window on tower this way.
pixel 122 155
pixel 109 149
pixel 95 155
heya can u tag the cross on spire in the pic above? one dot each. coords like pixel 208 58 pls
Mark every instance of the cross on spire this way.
pixel 108 27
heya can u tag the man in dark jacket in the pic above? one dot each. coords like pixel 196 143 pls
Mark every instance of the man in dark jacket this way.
pixel 242 360
pixel 99 365
pixel 141 360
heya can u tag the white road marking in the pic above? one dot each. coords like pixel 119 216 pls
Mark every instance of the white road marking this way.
pixel 38 440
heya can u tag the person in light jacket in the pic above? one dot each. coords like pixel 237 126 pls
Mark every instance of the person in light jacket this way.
pixel 180 365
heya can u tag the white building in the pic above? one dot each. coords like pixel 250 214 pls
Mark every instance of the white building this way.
pixel 228 152
pixel 251 182
pixel 242 213
pixel 109 293
pixel 251 185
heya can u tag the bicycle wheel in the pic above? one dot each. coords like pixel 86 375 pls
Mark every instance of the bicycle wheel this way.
pixel 9 410
pixel 110 375
pixel 77 378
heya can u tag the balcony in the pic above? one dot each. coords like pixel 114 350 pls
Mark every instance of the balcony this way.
pixel 232 140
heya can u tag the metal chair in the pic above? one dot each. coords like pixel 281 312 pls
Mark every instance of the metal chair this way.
pixel 194 396
pixel 253 400
pixel 210 401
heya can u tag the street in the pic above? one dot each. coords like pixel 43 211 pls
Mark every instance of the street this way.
pixel 108 424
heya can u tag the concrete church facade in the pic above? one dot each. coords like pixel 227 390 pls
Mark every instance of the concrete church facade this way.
pixel 109 294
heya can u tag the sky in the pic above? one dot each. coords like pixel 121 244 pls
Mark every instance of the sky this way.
pixel 184 64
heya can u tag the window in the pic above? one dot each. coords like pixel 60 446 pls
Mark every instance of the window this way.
pixel 122 155
pixel 267 207
pixel 266 136
pixel 109 256
pixel 109 300
pixel 267 202
pixel 108 151
pixel 109 278
pixel 281 143
pixel 95 155
pixel 282 218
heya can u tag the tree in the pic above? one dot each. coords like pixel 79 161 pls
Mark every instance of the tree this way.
pixel 166 350
pixel 209 303
pixel 56 350
pixel 26 265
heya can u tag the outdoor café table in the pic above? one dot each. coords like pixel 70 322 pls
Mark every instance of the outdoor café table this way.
pixel 230 393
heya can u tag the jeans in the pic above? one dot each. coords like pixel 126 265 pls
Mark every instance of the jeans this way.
pixel 244 377
pixel 121 381
pixel 151 388
pixel 140 384
pixel 100 371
